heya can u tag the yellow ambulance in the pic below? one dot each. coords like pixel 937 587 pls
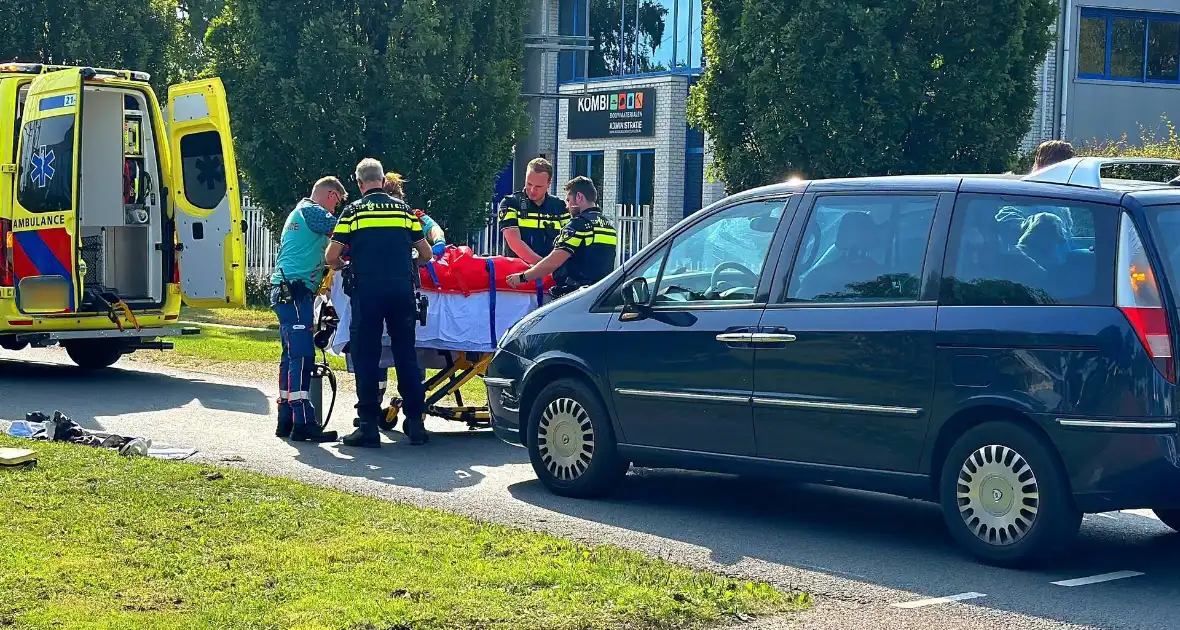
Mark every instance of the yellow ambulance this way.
pixel 111 213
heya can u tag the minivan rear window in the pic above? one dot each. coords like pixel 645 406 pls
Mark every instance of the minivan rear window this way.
pixel 1029 251
pixel 1165 227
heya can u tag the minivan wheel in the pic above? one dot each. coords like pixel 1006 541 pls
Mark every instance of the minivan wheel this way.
pixel 1005 498
pixel 1171 518
pixel 571 441
pixel 94 355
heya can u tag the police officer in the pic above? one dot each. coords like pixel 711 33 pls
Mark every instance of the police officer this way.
pixel 531 218
pixel 379 282
pixel 584 252
pixel 298 272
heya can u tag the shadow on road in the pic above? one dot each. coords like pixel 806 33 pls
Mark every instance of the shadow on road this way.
pixel 451 461
pixel 876 539
pixel 88 396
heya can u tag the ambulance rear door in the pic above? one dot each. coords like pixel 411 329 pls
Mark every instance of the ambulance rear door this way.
pixel 206 196
pixel 45 204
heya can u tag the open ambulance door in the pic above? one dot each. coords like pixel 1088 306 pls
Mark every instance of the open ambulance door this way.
pixel 44 233
pixel 206 196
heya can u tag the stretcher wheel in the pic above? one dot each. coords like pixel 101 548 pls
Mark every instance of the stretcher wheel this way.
pixel 388 421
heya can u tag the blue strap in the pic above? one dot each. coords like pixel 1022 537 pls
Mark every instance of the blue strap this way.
pixel 540 293
pixel 433 274
pixel 492 300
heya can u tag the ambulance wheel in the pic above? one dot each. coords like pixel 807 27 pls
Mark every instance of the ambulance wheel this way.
pixel 388 421
pixel 571 441
pixel 94 355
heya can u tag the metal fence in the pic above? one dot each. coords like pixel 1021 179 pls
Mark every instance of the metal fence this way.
pixel 261 245
pixel 633 224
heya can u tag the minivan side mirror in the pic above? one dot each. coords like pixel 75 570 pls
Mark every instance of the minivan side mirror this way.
pixel 636 296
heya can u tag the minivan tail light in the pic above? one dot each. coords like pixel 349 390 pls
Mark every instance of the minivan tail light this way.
pixel 5 253
pixel 1138 297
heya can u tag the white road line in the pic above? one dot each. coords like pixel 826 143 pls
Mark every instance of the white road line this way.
pixel 938 600
pixel 1095 579
pixel 1113 517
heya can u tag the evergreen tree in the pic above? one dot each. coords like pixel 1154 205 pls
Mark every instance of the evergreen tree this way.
pixel 824 88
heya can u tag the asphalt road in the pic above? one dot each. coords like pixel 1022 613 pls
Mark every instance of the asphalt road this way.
pixel 872 561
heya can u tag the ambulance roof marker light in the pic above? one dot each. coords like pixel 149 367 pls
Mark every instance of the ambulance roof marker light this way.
pixel 23 68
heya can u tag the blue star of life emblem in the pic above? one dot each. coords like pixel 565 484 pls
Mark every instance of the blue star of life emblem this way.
pixel 42 166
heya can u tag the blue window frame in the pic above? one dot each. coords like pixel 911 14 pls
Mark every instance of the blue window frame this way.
pixel 591 164
pixel 637 168
pixel 1129 46
pixel 572 22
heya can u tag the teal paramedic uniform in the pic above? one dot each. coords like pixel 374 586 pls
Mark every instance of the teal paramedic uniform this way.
pixel 300 263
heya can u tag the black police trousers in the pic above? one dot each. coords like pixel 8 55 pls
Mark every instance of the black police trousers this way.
pixel 373 305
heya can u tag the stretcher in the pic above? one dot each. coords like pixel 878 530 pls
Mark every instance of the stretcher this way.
pixel 470 306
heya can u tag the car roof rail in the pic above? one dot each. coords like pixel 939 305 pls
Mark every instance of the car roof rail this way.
pixel 1087 171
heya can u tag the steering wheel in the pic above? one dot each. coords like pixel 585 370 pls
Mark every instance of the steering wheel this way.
pixel 715 278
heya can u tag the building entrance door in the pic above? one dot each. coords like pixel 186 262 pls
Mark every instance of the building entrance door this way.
pixel 637 183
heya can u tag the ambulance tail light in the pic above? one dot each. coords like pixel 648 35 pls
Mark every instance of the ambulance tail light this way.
pixel 1138 297
pixel 5 253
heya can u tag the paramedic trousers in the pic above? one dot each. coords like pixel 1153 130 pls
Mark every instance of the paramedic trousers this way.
pixel 376 307
pixel 298 359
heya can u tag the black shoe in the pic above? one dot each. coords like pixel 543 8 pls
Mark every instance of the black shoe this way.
pixel 415 429
pixel 284 428
pixel 312 433
pixel 365 437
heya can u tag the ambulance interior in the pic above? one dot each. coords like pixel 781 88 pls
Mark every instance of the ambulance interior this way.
pixel 120 209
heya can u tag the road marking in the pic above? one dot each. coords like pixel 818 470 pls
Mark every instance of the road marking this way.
pixel 1112 517
pixel 1144 513
pixel 938 600
pixel 1095 579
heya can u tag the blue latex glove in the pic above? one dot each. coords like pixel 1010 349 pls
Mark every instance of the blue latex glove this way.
pixel 439 248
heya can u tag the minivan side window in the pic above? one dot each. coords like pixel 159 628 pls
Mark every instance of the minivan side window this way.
pixel 863 248
pixel 720 259
pixel 1007 250
pixel 650 272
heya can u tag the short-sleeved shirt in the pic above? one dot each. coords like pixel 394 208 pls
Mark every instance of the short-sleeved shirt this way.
pixel 301 246
pixel 375 228
pixel 538 224
pixel 590 241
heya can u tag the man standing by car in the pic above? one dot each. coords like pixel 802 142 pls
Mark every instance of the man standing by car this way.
pixel 298 272
pixel 379 231
pixel 531 218
pixel 584 251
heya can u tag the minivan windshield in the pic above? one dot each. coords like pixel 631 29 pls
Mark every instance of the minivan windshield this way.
pixel 1165 227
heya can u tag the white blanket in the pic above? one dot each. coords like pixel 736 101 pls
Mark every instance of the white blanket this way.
pixel 453 322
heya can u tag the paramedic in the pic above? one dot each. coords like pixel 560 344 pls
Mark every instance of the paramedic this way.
pixel 584 252
pixel 297 274
pixel 531 218
pixel 379 231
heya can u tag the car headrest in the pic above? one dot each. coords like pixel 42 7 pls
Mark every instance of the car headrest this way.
pixel 855 231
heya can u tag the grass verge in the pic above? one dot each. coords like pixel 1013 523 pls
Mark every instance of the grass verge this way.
pixel 248 317
pixel 94 540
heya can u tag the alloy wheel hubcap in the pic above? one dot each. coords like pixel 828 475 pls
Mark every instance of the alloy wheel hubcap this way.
pixel 998 495
pixel 565 439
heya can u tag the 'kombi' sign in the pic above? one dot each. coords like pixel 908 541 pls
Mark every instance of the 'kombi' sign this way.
pixel 612 114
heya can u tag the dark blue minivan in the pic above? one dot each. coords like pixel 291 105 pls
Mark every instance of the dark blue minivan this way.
pixel 1001 345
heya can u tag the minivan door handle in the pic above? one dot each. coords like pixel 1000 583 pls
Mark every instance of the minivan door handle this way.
pixel 735 337
pixel 771 338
